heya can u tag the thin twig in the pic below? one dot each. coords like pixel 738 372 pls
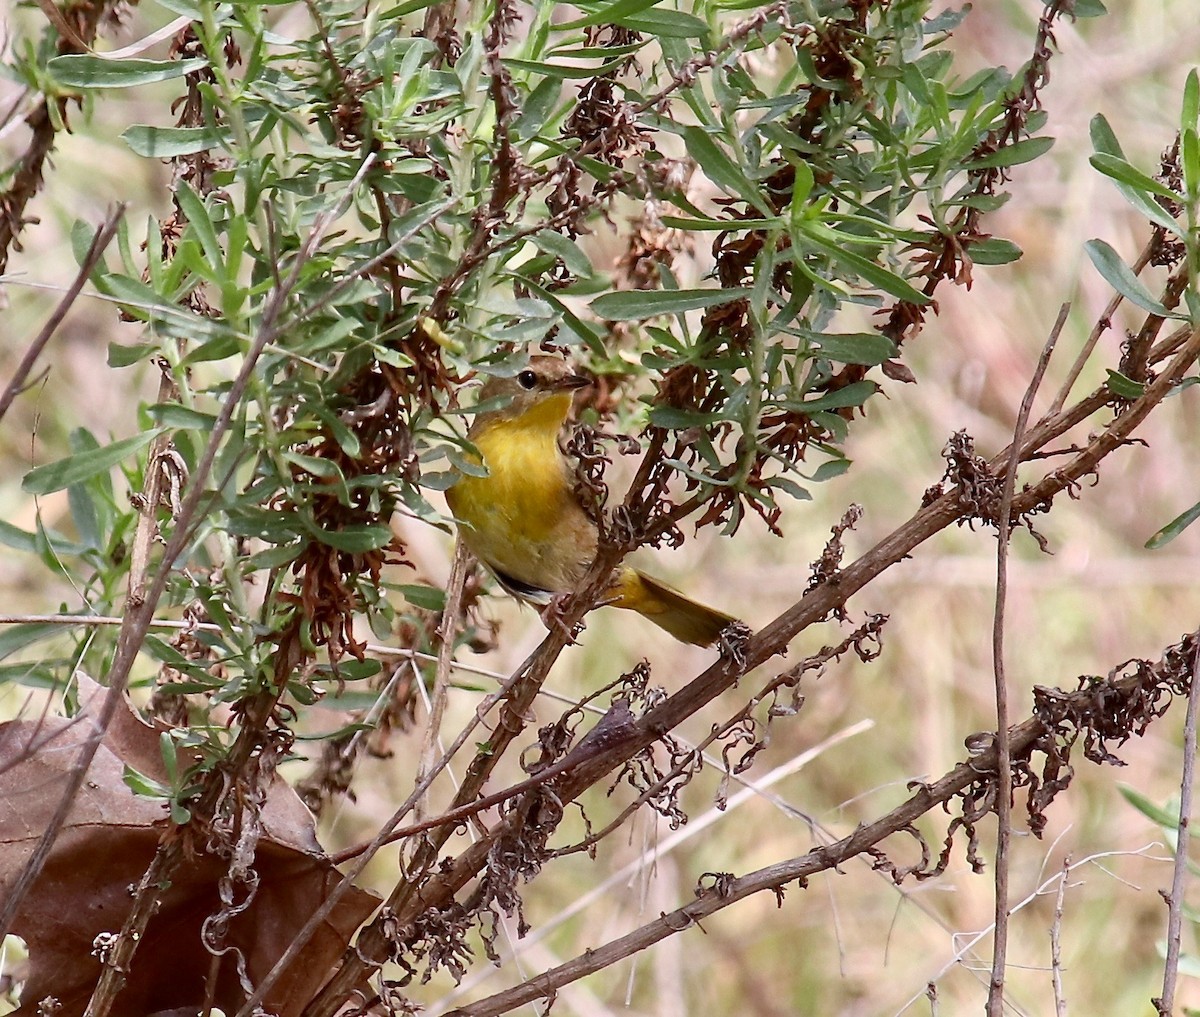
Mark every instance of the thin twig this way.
pixel 995 1003
pixel 95 251
pixel 1060 1002
pixel 1103 324
pixel 446 633
pixel 1175 901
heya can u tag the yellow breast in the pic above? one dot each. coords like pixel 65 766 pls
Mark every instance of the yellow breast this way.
pixel 522 519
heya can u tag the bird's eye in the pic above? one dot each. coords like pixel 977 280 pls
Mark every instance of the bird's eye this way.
pixel 527 380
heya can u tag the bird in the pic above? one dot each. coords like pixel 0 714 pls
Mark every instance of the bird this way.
pixel 524 520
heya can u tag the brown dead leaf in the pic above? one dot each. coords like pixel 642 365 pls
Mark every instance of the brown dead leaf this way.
pixel 108 841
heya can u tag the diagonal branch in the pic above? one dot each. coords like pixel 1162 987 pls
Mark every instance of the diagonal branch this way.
pixel 1174 672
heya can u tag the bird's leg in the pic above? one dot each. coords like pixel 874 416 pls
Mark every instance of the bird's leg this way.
pixel 552 616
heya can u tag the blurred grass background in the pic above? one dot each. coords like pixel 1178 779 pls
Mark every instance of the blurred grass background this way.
pixel 851 943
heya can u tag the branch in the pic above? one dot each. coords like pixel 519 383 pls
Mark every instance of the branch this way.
pixel 1175 902
pixel 1024 739
pixel 95 251
pixel 995 1004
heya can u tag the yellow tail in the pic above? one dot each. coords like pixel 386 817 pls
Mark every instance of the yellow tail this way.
pixel 686 620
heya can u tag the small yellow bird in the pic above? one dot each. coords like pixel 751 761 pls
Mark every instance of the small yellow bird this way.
pixel 524 520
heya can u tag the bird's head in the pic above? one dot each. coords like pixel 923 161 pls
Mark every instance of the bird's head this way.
pixel 538 393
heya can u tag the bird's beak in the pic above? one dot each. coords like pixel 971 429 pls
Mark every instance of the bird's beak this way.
pixel 572 381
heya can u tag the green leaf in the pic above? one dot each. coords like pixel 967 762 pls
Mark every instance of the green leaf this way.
pixel 721 169
pixel 1012 155
pixel 17 637
pixel 126 356
pixel 852 395
pixel 1121 278
pixel 171 142
pixel 74 469
pixel 1191 101
pixel 1190 159
pixel 1151 810
pixel 182 417
pixel 1175 527
pixel 560 70
pixel 720 225
pixel 876 275
pixel 566 250
pixel 354 539
pixel 855 347
pixel 606 14
pixel 1104 141
pixel 1122 172
pixel 1125 387
pixel 635 305
pixel 994 251
pixel 667 24
pixel 429 598
pixel 143 786
pixel 675 419
pixel 85 71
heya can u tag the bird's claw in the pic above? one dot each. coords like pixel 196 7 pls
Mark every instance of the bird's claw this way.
pixel 552 617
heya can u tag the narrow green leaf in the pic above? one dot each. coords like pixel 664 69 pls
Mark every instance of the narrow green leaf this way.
pixel 17 637
pixel 876 275
pixel 667 24
pixel 181 417
pixel 196 213
pixel 1121 171
pixel 1191 101
pixel 635 305
pixel 721 169
pixel 1104 141
pixel 74 469
pixel 561 70
pixel 1013 155
pixel 170 142
pixel 606 14
pixel 1121 278
pixel 1190 160
pixel 16 538
pixel 354 539
pixel 675 419
pixel 830 469
pixel 566 250
pixel 994 251
pixel 852 395
pixel 143 786
pixel 855 347
pixel 720 225
pixel 1151 810
pixel 1125 387
pixel 1175 527
pixel 429 598
pixel 85 71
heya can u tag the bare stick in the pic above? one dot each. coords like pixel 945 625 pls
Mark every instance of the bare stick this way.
pixel 446 633
pixel 995 1003
pixel 95 251
pixel 1166 1004
pixel 1060 1003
